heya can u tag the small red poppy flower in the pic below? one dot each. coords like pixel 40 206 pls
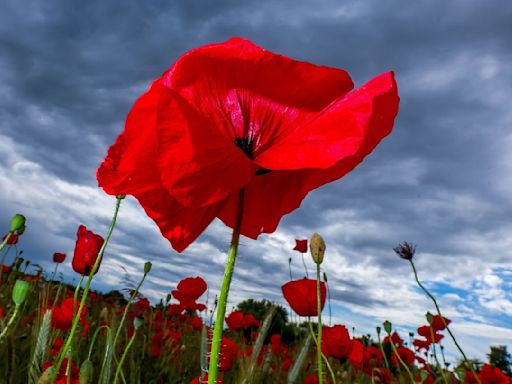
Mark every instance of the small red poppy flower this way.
pixel 438 324
pixel 421 344
pixel 188 291
pixel 301 246
pixel 430 334
pixel 312 378
pixel 250 321
pixel 278 348
pixel 372 358
pixel 6 268
pixel 395 338
pixel 336 342
pixel 59 257
pixel 228 353
pixel 234 116
pixel 235 320
pixel 493 375
pixel 196 323
pixel 197 380
pixel 301 295
pixel 405 354
pixel 88 245
pixel 13 239
pixel 62 315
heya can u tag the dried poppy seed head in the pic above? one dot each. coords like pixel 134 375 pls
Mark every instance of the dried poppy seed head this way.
pixel 405 250
pixel 317 248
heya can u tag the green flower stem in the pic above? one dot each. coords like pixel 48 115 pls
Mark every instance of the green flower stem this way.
pixel 386 362
pixel 444 322
pixel 433 338
pixel 76 317
pixel 319 330
pixel 326 360
pixel 11 320
pixel 132 297
pixel 123 357
pixel 9 234
pixel 393 347
pixel 226 282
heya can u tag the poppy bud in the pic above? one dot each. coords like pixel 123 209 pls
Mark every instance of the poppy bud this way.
pixel 20 291
pixel 59 257
pixel 17 222
pixel 46 377
pixel 325 277
pixel 147 267
pixel 85 376
pixel 87 247
pixel 138 322
pixel 430 318
pixel 387 326
pixel 21 230
pixel 317 248
pixel 379 329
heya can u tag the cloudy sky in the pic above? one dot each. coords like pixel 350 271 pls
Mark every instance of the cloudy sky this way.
pixel 70 72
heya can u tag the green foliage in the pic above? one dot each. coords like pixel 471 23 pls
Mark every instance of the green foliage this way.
pixel 500 358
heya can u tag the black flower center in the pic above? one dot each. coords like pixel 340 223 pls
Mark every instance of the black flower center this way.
pixel 246 145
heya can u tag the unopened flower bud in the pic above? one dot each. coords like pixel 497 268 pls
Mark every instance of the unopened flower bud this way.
pixel 430 318
pixel 20 291
pixel 21 230
pixel 387 326
pixel 317 248
pixel 147 267
pixel 85 376
pixel 138 322
pixel 17 222
pixel 46 377
pixel 325 277
pixel 379 329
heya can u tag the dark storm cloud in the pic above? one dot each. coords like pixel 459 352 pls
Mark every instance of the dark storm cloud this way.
pixel 70 71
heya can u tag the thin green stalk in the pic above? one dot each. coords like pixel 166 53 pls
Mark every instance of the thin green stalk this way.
pixel 432 337
pixel 123 357
pixel 123 318
pixel 305 268
pixel 11 320
pixel 319 330
pixel 326 360
pixel 386 362
pixel 468 363
pixel 76 318
pixel 393 347
pixel 226 282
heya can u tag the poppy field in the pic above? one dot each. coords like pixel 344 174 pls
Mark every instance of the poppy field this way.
pixel 234 132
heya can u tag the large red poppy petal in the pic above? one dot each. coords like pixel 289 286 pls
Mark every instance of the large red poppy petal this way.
pixel 198 164
pixel 130 163
pixel 339 131
pixel 179 224
pixel 240 64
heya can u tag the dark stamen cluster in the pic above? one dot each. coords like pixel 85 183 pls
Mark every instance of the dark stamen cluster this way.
pixel 405 250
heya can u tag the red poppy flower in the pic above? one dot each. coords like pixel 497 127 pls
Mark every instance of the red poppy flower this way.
pixel 235 320
pixel 87 247
pixel 188 291
pixel 196 323
pixel 421 344
pixel 493 375
pixel 301 246
pixel 405 354
pixel 336 342
pixel 250 321
pixel 62 316
pixel 6 268
pixel 430 334
pixel 228 353
pixel 395 338
pixel 232 115
pixel 438 324
pixel 278 348
pixel 372 358
pixel 59 257
pixel 301 295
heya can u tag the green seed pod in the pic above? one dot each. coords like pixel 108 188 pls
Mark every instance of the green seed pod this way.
pixel 138 322
pixel 17 222
pixel 387 326
pixel 21 230
pixel 85 376
pixel 317 248
pixel 379 329
pixel 20 291
pixel 147 267
pixel 46 377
